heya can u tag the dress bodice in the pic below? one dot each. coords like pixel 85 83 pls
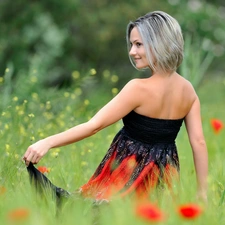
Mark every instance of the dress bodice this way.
pixel 151 130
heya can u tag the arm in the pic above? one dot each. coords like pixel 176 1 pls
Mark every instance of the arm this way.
pixel 117 108
pixel 194 128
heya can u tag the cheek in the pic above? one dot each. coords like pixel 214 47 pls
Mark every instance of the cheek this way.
pixel 143 52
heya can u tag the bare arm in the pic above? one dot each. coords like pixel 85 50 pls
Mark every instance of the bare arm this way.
pixel 117 108
pixel 194 128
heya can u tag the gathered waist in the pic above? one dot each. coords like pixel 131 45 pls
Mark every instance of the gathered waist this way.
pixel 146 138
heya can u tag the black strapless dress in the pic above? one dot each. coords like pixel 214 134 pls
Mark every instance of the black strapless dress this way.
pixel 142 155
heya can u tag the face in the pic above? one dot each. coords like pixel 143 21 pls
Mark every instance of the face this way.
pixel 137 50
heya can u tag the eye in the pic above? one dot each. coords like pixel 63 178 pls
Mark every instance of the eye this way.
pixel 138 44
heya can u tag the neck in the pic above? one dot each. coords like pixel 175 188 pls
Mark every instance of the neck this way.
pixel 163 73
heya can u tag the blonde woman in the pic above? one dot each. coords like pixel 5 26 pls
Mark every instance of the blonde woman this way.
pixel 143 153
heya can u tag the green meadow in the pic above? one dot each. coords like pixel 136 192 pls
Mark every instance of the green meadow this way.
pixel 31 113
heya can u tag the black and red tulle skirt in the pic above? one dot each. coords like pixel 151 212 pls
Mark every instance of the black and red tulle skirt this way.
pixel 132 167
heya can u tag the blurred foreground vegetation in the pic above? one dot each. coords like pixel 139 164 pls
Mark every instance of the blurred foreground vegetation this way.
pixel 52 39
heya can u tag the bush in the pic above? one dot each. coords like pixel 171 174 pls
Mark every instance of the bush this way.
pixel 56 38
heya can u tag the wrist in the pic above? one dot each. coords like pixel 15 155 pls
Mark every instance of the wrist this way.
pixel 49 142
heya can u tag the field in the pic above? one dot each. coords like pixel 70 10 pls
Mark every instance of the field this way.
pixel 26 119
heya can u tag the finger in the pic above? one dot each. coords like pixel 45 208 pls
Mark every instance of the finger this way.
pixel 37 160
pixel 26 153
pixel 27 163
pixel 34 159
pixel 29 158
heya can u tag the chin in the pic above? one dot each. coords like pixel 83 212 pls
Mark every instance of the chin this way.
pixel 141 67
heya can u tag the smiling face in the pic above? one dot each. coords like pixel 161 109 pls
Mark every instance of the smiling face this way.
pixel 137 50
pixel 155 41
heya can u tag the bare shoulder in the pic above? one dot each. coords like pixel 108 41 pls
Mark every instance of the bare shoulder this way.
pixel 185 81
pixel 135 84
pixel 132 89
pixel 187 86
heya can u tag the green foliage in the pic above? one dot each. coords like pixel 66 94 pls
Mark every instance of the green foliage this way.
pixel 57 37
pixel 7 85
pixel 204 23
pixel 196 62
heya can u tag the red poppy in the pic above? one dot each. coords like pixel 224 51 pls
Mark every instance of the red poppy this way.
pixel 43 169
pixel 190 211
pixel 2 190
pixel 217 125
pixel 150 212
pixel 19 214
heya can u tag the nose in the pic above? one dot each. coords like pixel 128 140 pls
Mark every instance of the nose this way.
pixel 132 51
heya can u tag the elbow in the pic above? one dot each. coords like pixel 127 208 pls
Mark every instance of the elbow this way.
pixel 202 145
pixel 198 143
pixel 94 126
pixel 95 131
pixel 202 142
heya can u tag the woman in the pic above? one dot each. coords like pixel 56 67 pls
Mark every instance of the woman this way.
pixel 143 154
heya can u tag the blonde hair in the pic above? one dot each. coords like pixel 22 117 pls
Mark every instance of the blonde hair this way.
pixel 162 40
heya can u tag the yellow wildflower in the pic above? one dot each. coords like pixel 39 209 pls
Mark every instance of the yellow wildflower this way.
pixel 86 102
pixel 33 79
pixel 20 112
pixel 115 91
pixel 34 96
pixel 78 91
pixel 75 74
pixel 48 105
pixel 66 94
pixel 106 73
pixel 114 78
pixel 93 72
pixel 83 163
pixel 15 99
pixel 22 130
pixel 32 138
pixel 7 147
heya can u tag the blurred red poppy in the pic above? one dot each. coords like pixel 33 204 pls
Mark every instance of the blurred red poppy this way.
pixel 217 125
pixel 150 212
pixel 190 211
pixel 2 190
pixel 19 214
pixel 43 169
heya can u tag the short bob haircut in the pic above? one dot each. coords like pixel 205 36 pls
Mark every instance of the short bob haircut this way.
pixel 162 39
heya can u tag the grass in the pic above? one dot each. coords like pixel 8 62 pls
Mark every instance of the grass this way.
pixel 25 121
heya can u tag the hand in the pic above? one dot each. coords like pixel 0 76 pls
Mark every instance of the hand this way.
pixel 36 151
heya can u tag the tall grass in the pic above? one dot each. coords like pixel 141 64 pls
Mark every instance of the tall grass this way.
pixel 25 120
